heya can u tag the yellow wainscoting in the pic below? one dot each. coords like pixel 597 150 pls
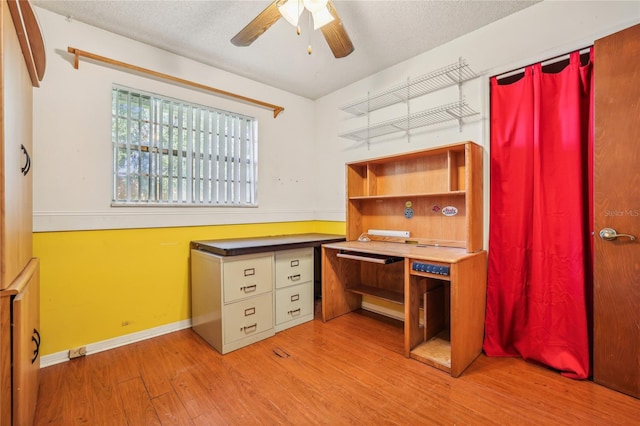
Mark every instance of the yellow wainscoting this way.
pixel 99 285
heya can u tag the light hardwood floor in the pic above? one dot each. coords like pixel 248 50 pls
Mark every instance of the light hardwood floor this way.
pixel 347 371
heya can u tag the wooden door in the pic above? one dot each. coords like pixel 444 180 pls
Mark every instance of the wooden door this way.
pixel 616 340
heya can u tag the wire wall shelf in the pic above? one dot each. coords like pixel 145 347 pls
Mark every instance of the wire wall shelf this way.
pixel 456 73
pixel 449 112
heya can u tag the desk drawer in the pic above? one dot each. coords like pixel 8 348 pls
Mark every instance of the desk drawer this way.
pixel 247 278
pixel 294 302
pixel 294 267
pixel 247 317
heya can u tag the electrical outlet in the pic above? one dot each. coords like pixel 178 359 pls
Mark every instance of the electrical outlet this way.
pixel 77 352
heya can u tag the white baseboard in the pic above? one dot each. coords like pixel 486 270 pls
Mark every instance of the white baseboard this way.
pixel 92 348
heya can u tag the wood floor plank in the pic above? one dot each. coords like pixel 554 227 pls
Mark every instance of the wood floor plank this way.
pixel 105 398
pixel 155 370
pixel 199 399
pixel 363 389
pixel 273 370
pixel 76 392
pixel 234 391
pixel 137 405
pixel 350 370
pixel 50 405
pixel 125 366
pixel 170 410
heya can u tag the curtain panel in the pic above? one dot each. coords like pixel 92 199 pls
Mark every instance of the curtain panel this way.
pixel 540 243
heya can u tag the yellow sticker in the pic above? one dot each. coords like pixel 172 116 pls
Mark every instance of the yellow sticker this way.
pixel 408 204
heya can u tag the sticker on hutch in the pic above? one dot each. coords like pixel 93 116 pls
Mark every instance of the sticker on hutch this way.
pixel 449 211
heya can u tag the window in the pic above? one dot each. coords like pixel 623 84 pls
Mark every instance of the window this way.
pixel 170 152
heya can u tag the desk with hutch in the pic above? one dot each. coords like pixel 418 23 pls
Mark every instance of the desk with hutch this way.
pixel 439 270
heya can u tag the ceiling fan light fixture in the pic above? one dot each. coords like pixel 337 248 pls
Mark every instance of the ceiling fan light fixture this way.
pixel 321 18
pixel 291 11
pixel 315 5
pixel 334 34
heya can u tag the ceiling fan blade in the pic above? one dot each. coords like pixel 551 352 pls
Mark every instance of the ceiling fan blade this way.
pixel 336 35
pixel 259 25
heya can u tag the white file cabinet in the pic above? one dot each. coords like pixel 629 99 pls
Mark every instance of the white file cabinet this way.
pixel 232 298
pixel 294 287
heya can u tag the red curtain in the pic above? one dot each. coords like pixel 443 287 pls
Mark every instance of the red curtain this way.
pixel 540 271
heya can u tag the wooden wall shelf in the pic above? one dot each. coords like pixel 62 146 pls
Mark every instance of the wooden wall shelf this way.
pixel 175 80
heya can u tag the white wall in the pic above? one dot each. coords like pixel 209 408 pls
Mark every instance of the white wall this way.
pixel 545 30
pixel 72 153
pixel 72 142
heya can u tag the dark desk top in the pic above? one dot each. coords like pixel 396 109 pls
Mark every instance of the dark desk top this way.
pixel 238 246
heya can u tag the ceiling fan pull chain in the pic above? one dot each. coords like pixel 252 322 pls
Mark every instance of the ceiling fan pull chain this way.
pixel 309 48
pixel 298 26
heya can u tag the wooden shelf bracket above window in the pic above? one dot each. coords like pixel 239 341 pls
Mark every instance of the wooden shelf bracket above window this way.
pixel 78 53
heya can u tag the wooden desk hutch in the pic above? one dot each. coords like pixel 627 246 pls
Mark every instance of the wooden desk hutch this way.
pixel 438 273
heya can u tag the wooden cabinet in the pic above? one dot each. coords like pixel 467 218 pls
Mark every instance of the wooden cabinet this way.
pixel 437 272
pixel 16 198
pixel 232 299
pixel 434 194
pixel 294 287
pixel 21 49
pixel 20 317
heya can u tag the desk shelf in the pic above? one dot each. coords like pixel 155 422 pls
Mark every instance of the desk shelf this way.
pixel 410 195
pixel 380 293
pixel 435 352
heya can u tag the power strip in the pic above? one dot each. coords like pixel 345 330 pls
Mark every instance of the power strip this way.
pixel 388 233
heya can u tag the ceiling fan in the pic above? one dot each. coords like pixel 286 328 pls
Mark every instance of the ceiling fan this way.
pixel 324 15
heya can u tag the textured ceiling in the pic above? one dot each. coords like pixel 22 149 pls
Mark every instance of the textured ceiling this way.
pixel 384 33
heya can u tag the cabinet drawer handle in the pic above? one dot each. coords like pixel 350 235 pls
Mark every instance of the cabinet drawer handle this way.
pixel 295 263
pixel 27 164
pixel 36 339
pixel 295 277
pixel 250 271
pixel 295 312
pixel 249 311
pixel 248 288
pixel 295 297
pixel 249 328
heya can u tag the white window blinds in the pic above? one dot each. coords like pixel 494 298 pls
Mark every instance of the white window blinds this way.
pixel 170 152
